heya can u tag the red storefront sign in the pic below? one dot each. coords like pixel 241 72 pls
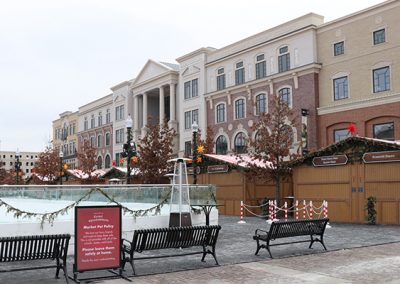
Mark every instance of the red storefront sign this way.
pixel 97 238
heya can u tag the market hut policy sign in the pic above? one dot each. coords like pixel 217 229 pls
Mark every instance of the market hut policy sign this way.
pixel 381 157
pixel 326 161
pixel 97 238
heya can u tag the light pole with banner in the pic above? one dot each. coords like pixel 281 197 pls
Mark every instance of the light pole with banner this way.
pixel 61 154
pixel 195 129
pixel 129 148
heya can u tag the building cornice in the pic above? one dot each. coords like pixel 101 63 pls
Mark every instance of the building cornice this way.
pixel 368 102
pixel 386 5
pixel 199 51
pixel 121 85
pixel 93 104
pixel 155 82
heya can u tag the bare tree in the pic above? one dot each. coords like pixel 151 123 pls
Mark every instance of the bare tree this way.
pixel 47 167
pixel 87 159
pixel 154 150
pixel 270 150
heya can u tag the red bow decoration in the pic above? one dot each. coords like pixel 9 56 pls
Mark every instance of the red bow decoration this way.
pixel 114 163
pixel 352 128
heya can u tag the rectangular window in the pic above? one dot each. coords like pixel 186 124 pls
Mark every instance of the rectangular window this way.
pixel 239 73
pixel 188 120
pixel 119 136
pixel 379 36
pixel 381 79
pixel 384 131
pixel 119 113
pixel 92 122
pixel 340 88
pixel 284 62
pixel 221 82
pixel 195 116
pixel 340 134
pixel 188 148
pixel 190 117
pixel 100 119
pixel 338 48
pixel 195 88
pixel 108 116
pixel 261 70
pixel 187 90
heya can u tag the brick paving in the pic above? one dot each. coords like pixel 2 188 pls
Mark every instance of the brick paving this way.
pixel 356 253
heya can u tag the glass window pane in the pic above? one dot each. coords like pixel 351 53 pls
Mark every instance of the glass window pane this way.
pixel 381 79
pixel 340 134
pixel 379 36
pixel 221 145
pixel 340 88
pixel 384 131
pixel 240 143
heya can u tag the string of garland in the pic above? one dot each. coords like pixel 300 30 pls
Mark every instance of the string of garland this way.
pixel 51 216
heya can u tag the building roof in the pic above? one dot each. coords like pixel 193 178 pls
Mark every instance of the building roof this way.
pixel 172 66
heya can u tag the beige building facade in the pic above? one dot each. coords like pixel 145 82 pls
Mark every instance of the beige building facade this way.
pixel 65 138
pixel 359 79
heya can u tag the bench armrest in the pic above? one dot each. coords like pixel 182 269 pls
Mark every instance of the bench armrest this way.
pixel 256 233
pixel 125 240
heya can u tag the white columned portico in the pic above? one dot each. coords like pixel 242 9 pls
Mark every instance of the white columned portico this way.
pixel 136 113
pixel 162 111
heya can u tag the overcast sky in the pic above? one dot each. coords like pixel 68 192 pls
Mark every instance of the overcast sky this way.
pixel 58 55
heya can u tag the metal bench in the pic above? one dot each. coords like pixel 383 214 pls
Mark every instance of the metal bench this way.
pixel 314 228
pixel 169 238
pixel 31 248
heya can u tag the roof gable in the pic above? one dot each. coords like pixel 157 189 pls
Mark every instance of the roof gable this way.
pixel 151 70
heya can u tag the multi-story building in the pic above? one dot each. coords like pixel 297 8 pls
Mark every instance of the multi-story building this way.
pixel 241 79
pixel 122 106
pixel 96 126
pixel 65 130
pixel 27 161
pixel 331 74
pixel 359 80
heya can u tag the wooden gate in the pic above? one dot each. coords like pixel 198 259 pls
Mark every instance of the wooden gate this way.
pixel 347 187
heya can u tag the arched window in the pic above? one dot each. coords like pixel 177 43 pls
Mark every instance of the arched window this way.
pixel 240 143
pixel 221 145
pixel 108 140
pixel 99 162
pixel 286 96
pixel 261 104
pixel 287 133
pixel 99 140
pixel 220 115
pixel 107 162
pixel 239 109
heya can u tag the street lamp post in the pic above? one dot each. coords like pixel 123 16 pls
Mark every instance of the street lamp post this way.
pixel 195 129
pixel 17 167
pixel 129 147
pixel 61 165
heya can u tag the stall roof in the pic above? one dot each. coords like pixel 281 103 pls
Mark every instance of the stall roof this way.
pixel 352 145
pixel 243 161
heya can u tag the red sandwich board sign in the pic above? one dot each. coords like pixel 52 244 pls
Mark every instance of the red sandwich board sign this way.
pixel 97 238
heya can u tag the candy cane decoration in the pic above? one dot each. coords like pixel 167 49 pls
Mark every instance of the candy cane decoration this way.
pixel 326 209
pixel 311 209
pixel 285 208
pixel 242 221
pixel 270 217
pixel 297 209
pixel 275 209
pixel 304 209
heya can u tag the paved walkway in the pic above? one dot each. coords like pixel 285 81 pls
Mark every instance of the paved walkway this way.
pixel 355 253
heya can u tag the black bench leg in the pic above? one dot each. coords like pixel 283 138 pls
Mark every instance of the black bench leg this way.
pixel 205 252
pixel 269 251
pixel 258 247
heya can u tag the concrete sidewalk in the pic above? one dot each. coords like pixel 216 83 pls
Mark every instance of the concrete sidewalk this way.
pixel 235 253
